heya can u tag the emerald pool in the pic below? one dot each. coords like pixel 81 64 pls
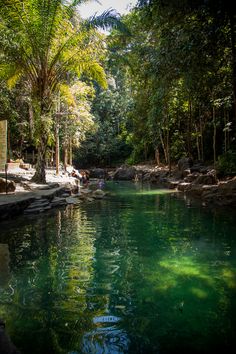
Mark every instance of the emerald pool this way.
pixel 141 271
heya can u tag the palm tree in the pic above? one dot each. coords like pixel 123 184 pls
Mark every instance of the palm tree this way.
pixel 45 43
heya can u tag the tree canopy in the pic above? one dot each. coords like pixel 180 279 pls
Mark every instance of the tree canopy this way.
pixel 163 88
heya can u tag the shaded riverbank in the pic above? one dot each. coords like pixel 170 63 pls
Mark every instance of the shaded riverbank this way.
pixel 196 182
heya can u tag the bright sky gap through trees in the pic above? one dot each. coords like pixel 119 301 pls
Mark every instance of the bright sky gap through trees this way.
pixel 121 6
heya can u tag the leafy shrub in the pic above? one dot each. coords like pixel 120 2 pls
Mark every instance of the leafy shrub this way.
pixel 226 164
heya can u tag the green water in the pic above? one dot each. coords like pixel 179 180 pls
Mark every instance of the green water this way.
pixel 138 272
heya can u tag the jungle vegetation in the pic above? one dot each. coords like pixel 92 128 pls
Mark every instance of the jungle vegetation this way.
pixel 160 85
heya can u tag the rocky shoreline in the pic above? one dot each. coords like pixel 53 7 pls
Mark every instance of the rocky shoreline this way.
pixel 194 181
pixel 27 198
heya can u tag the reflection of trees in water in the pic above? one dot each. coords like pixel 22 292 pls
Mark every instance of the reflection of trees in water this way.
pixel 184 278
pixel 105 340
pixel 52 271
pixel 4 264
pixel 148 262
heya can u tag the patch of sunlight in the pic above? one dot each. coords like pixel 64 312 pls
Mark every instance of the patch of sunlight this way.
pixel 166 283
pixel 186 267
pixel 155 192
pixel 201 294
pixel 229 277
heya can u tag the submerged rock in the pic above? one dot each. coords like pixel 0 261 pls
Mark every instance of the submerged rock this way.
pixel 98 194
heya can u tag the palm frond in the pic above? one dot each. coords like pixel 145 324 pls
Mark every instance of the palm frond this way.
pixel 80 2
pixel 10 73
pixel 12 81
pixel 95 72
pixel 109 19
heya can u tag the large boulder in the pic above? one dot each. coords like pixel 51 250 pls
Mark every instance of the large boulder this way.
pixel 10 186
pixel 98 173
pixel 224 194
pixel 184 166
pixel 125 173
pixel 208 179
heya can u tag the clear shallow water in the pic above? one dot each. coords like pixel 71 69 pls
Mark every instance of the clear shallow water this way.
pixel 138 272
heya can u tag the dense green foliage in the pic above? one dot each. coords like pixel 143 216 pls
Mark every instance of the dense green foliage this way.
pixel 46 46
pixel 108 144
pixel 178 66
pixel 172 82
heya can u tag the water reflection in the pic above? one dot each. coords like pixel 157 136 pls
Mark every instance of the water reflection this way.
pixel 137 272
pixel 4 264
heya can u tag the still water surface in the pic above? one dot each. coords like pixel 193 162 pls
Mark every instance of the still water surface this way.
pixel 137 272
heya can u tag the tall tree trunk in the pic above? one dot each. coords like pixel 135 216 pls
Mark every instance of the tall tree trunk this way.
pixel 228 133
pixel 233 50
pixel 70 152
pixel 202 145
pixel 40 174
pixel 57 157
pixel 31 121
pixel 214 135
pixel 157 156
pixel 197 143
pixel 57 127
pixel 65 155
pixel 168 149
pixel 189 127
pixel 225 132
pixel 164 149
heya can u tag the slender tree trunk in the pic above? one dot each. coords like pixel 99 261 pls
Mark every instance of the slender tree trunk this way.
pixel 214 136
pixel 228 133
pixel 197 143
pixel 70 152
pixel 65 155
pixel 157 156
pixel 164 149
pixel 202 145
pixel 189 127
pixel 57 127
pixel 57 157
pixel 233 50
pixel 31 120
pixel 168 149
pixel 225 132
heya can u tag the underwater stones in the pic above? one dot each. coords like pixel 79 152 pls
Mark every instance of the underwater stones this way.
pixel 98 194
